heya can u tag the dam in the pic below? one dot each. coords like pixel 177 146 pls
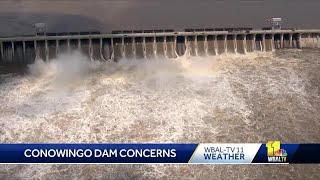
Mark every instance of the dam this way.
pixel 148 44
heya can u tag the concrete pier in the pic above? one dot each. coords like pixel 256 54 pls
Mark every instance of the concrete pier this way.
pixel 152 44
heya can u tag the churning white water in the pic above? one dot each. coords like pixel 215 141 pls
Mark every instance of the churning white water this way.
pixel 229 98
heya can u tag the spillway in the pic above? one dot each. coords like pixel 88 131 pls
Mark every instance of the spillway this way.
pixel 152 44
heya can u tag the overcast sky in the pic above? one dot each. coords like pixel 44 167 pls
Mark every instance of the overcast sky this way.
pixel 17 16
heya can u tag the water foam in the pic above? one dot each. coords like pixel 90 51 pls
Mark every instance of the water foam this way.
pixel 188 99
pixel 72 93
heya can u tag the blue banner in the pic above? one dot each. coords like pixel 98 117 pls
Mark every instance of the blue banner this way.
pixel 272 152
pixel 96 153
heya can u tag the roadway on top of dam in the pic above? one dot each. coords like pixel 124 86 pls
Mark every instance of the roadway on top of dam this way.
pixel 156 34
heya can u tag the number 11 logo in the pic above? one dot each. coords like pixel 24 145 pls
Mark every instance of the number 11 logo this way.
pixel 273 147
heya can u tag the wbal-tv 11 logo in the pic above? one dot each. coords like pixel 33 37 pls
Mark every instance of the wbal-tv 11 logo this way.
pixel 275 153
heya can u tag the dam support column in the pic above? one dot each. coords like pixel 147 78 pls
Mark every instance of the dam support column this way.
pixel 299 41
pixel 196 45
pixel 57 47
pixel 79 44
pixel 165 47
pixel 253 42
pixel 244 42
pixel 46 50
pixel 90 49
pixel 272 42
pixel 281 40
pixel 290 40
pixel 144 47
pixel 216 45
pixel 36 49
pixel 101 50
pixel 134 47
pixel 12 46
pixel 123 50
pixel 1 51
pixel 206 45
pixel 154 46
pixel 235 46
pixel 68 45
pixel 225 44
pixel 24 49
pixel 175 47
pixel 112 50
pixel 264 42
pixel 186 44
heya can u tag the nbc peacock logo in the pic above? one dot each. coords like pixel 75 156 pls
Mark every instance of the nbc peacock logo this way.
pixel 275 153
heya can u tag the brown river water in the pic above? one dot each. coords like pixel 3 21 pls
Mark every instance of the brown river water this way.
pixel 234 98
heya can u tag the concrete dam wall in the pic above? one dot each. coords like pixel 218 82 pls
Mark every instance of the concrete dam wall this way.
pixel 150 45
